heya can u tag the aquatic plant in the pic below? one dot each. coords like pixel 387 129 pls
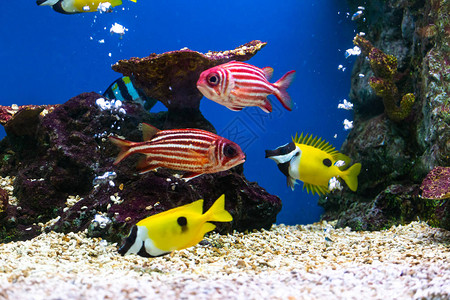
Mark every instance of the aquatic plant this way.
pixel 384 67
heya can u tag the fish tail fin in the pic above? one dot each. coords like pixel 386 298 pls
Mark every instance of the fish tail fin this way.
pixel 217 211
pixel 350 176
pixel 124 147
pixel 282 84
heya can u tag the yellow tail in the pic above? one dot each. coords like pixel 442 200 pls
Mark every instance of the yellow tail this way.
pixel 350 176
pixel 217 211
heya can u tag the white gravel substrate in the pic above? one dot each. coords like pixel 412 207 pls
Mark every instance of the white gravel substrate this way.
pixel 287 262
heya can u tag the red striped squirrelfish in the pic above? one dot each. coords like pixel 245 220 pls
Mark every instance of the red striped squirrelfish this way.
pixel 195 151
pixel 237 85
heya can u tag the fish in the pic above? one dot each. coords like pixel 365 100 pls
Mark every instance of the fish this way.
pixel 124 89
pixel 357 15
pixel 78 6
pixel 194 151
pixel 175 229
pixel 236 85
pixel 315 162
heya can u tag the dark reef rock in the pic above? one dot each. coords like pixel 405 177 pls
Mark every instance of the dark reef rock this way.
pixel 172 77
pixel 69 155
pixel 22 120
pixel 397 156
pixel 437 184
pixel 3 202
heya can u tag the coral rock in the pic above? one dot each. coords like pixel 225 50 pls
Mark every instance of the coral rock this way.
pixel 384 83
pixel 19 120
pixel 398 155
pixel 437 184
pixel 171 77
pixel 69 156
pixel 3 202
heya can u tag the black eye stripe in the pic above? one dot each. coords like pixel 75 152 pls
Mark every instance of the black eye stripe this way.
pixel 129 241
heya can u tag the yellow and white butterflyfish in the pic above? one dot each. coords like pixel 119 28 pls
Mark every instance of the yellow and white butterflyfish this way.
pixel 80 6
pixel 175 229
pixel 315 162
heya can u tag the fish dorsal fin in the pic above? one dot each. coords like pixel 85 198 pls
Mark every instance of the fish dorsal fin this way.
pixel 314 142
pixel 217 211
pixel 268 72
pixel 148 131
pixel 195 207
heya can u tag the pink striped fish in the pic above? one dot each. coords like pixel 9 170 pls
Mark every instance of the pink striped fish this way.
pixel 237 85
pixel 192 150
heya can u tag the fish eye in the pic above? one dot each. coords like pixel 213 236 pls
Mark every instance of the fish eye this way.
pixel 327 162
pixel 182 221
pixel 229 151
pixel 213 79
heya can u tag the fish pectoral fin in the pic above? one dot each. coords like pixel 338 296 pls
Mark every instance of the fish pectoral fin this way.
pixel 198 236
pixel 198 155
pixel 207 227
pixel 291 182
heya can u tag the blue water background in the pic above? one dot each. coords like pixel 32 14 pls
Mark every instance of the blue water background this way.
pixel 47 58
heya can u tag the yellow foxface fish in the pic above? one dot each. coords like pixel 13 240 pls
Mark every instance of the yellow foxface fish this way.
pixel 314 161
pixel 80 6
pixel 175 229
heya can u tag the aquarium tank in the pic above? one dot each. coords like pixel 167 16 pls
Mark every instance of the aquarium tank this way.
pixel 51 57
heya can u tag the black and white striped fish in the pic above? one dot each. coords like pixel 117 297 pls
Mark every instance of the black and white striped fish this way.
pixel 124 89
